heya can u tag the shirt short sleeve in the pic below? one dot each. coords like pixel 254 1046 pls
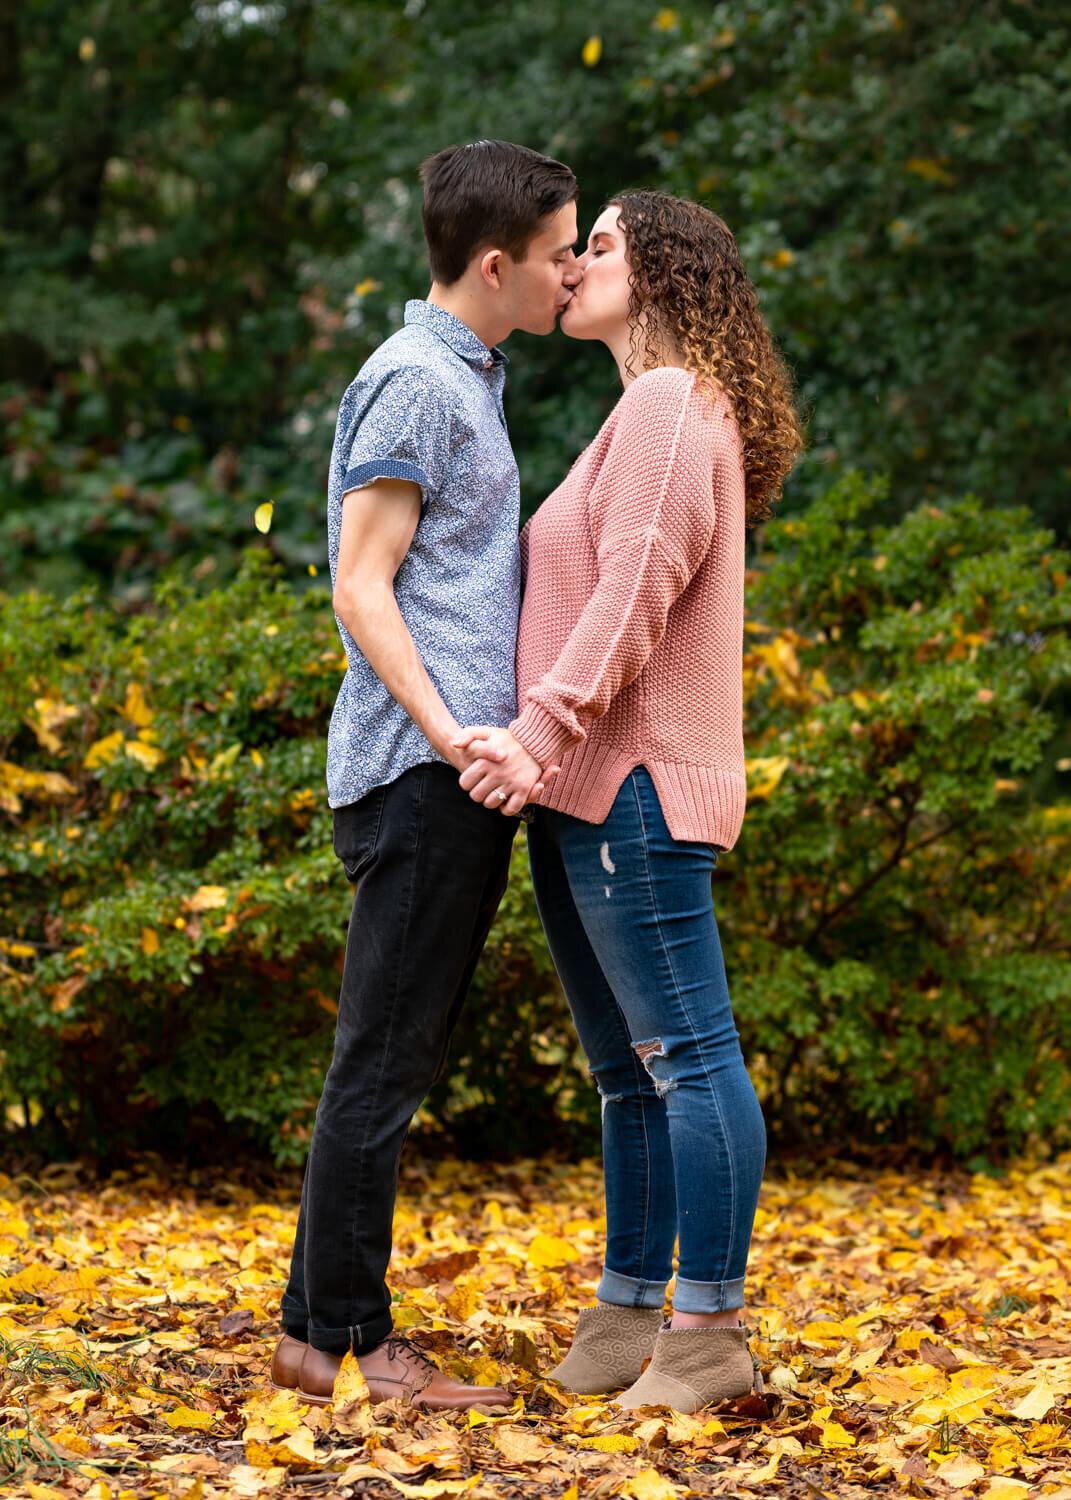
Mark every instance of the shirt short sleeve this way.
pixel 400 429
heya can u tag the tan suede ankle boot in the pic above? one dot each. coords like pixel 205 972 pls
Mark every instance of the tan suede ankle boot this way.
pixel 692 1367
pixel 608 1349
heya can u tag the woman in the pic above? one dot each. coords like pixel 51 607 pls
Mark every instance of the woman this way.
pixel 630 679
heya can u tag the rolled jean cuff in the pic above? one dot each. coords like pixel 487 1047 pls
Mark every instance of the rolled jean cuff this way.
pixel 707 1296
pixel 361 1337
pixel 630 1291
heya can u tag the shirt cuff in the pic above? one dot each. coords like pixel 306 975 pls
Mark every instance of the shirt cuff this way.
pixel 544 737
pixel 359 475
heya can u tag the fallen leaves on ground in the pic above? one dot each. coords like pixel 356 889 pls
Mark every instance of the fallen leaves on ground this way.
pixel 914 1332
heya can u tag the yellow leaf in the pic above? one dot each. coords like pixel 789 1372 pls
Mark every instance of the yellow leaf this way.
pixel 907 1383
pixel 767 1472
pixel 295 1451
pixel 135 708
pixel 350 1384
pixel 969 1393
pixel 50 714
pixel 780 656
pixel 612 1442
pixel 546 1253
pixel 485 1371
pixel 825 1333
pixel 270 1413
pixel 17 950
pixel 1036 1404
pixel 150 941
pixel 148 756
pixel 929 168
pixel 960 1471
pixel 434 1489
pixel 648 1484
pixel 836 1436
pixel 87 49
pixel 764 773
pixel 103 751
pixel 591 51
pixel 519 1447
pixel 464 1301
pixel 1005 1489
pixel 362 289
pixel 64 993
pixel 262 516
pixel 206 898
pixel 186 1416
pixel 223 761
pixel 666 20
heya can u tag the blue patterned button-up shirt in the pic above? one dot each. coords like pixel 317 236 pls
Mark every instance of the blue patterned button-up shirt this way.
pixel 427 406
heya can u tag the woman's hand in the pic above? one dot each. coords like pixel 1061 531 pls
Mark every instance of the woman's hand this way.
pixel 505 776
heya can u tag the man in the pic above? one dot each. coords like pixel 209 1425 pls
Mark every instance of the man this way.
pixel 423 509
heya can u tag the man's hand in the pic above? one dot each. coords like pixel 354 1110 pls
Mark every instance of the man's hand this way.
pixel 503 776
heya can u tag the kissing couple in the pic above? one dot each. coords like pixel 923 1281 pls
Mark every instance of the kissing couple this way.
pixel 607 707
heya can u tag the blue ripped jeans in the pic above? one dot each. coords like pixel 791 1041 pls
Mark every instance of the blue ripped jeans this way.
pixel 630 923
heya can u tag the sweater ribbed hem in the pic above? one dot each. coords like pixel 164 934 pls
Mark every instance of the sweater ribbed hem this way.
pixel 544 737
pixel 701 804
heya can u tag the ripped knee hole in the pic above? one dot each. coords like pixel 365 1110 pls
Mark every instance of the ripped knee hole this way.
pixel 647 1052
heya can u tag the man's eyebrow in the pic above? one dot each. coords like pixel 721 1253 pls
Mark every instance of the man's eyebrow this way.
pixel 563 248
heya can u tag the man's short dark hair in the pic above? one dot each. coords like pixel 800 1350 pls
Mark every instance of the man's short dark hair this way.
pixel 489 193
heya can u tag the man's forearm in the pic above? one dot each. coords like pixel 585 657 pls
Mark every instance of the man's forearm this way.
pixel 376 625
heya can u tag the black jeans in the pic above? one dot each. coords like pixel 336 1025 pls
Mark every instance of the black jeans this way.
pixel 429 867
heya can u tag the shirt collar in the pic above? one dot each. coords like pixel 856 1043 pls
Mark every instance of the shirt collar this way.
pixel 456 335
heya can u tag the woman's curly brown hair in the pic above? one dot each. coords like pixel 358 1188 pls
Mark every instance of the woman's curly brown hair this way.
pixel 689 289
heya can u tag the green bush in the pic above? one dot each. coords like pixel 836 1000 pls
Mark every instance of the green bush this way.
pixel 896 915
pixel 173 918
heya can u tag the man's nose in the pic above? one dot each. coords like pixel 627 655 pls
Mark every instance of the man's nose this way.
pixel 574 272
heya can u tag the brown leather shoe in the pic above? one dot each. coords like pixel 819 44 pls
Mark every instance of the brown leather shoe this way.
pixel 394 1370
pixel 286 1363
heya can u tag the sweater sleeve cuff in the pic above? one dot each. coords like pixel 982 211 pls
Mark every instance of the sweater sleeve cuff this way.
pixel 544 737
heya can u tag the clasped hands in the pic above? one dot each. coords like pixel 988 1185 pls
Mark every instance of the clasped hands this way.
pixel 499 772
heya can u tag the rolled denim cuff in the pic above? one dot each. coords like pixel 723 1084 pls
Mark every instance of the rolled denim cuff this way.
pixel 707 1296
pixel 630 1291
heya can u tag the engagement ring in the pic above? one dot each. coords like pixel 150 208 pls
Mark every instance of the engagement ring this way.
pixel 500 794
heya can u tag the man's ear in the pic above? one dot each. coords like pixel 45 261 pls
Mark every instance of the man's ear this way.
pixel 491 268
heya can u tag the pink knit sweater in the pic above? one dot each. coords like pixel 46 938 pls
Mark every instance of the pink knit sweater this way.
pixel 631 633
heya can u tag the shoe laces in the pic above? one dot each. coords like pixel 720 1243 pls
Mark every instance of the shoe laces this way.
pixel 397 1345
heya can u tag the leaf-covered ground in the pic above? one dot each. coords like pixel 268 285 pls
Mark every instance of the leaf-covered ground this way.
pixel 914 1331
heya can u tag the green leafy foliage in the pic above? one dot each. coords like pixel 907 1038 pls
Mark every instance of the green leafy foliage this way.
pixel 896 175
pixel 211 216
pixel 188 288
pixel 896 916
